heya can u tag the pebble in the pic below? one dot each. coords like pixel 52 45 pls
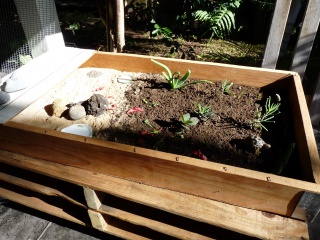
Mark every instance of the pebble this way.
pixel 77 112
pixel 4 97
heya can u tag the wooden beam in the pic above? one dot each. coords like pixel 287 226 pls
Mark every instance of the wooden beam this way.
pixel 234 218
pixel 253 76
pixel 37 188
pixel 306 38
pixel 278 25
pixel 314 108
pixel 36 202
pixel 156 223
pixel 255 190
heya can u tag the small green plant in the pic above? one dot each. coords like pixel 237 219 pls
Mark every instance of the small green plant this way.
pixel 271 109
pixel 153 104
pixel 175 79
pixel 204 112
pixel 187 120
pixel 225 87
pixel 241 94
pixel 221 20
pixel 154 130
pixel 160 31
pixel 260 96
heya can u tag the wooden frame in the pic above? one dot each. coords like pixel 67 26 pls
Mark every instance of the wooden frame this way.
pixel 24 146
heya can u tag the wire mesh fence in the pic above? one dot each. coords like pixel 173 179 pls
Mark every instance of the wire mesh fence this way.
pixel 24 24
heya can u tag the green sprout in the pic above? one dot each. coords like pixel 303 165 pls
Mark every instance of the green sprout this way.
pixel 271 109
pixel 187 120
pixel 154 130
pixel 226 87
pixel 204 112
pixel 175 80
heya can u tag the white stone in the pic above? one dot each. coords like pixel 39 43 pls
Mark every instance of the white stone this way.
pixel 19 80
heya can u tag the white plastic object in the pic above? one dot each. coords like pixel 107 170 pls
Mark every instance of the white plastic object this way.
pixel 79 129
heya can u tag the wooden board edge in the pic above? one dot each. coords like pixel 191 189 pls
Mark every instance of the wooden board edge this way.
pixel 308 151
pixel 258 77
pixel 200 178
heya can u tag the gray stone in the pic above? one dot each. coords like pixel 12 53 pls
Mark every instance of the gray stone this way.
pixel 4 97
pixel 77 112
pixel 19 80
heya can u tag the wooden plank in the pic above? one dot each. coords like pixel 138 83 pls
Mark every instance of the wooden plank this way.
pixel 37 188
pixel 255 190
pixel 278 25
pixel 117 228
pixel 92 198
pixel 101 222
pixel 30 200
pixel 308 151
pixel 256 77
pixel 45 71
pixel 97 220
pixel 154 223
pixel 314 108
pixel 234 218
pixel 306 38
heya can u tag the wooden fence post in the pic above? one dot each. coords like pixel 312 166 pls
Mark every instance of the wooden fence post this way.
pixel 306 38
pixel 276 33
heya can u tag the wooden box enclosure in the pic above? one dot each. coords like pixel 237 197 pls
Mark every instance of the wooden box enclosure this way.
pixel 179 174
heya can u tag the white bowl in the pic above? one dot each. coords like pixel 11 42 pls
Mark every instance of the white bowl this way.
pixel 79 129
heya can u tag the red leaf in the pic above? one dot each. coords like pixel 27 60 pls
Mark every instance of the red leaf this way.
pixel 98 89
pixel 200 155
pixel 135 109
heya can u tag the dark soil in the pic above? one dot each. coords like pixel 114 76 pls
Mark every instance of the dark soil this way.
pixel 222 138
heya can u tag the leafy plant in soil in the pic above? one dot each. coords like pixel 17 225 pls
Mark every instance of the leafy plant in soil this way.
pixel 271 109
pixel 174 79
pixel 225 87
pixel 185 121
pixel 204 112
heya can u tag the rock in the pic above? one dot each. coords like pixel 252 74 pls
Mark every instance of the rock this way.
pixel 58 107
pixel 19 80
pixel 256 143
pixel 77 112
pixel 94 74
pixel 96 105
pixel 4 97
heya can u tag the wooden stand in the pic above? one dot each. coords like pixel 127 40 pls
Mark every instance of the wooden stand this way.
pixel 123 185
